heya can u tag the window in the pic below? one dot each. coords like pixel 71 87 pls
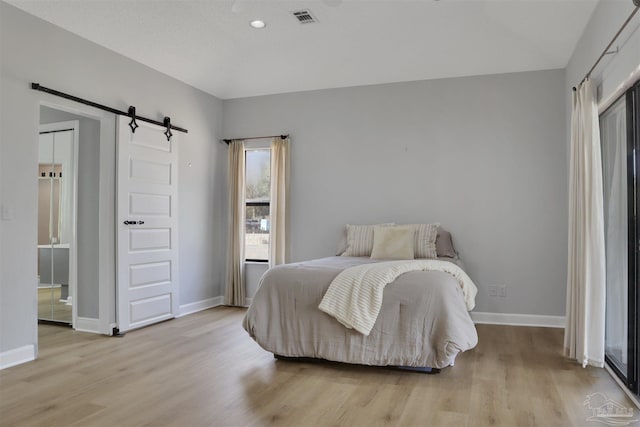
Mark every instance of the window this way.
pixel 257 204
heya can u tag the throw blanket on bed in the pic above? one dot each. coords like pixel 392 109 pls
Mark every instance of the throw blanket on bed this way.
pixel 354 297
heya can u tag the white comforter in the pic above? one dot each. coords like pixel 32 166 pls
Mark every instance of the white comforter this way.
pixel 354 297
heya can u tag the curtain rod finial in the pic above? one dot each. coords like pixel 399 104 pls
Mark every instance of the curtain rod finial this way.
pixel 35 85
pixel 574 89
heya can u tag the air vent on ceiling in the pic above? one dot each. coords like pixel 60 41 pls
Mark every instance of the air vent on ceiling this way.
pixel 304 16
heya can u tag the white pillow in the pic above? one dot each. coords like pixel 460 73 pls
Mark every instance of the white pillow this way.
pixel 425 240
pixel 360 239
pixel 393 242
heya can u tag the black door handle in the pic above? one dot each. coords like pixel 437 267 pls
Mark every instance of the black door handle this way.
pixel 130 222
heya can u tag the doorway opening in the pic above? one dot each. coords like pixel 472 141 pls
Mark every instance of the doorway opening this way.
pixel 68 188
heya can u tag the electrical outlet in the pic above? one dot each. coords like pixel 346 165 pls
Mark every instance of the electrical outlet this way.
pixel 6 212
pixel 493 291
pixel 502 291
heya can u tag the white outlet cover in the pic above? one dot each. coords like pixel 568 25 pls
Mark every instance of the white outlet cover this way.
pixel 7 212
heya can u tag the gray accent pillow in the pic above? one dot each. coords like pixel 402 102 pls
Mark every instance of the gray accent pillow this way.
pixel 444 244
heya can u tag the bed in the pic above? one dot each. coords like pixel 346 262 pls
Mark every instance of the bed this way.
pixel 423 321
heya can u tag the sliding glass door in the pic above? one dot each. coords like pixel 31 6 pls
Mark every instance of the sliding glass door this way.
pixel 620 155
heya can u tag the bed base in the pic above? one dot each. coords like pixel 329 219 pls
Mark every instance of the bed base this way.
pixel 420 369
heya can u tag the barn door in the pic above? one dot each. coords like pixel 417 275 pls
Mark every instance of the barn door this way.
pixel 147 252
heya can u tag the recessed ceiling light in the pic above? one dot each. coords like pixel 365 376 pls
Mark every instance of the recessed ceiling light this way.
pixel 257 24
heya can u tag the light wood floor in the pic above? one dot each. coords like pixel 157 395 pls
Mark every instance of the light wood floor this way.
pixel 204 370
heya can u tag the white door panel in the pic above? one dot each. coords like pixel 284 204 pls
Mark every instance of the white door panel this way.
pixel 149 273
pixel 148 310
pixel 146 136
pixel 145 240
pixel 149 171
pixel 158 205
pixel 147 249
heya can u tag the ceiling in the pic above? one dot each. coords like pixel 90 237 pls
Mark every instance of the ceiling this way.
pixel 210 45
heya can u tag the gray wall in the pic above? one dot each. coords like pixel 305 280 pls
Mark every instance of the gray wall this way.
pixel 613 69
pixel 32 50
pixel 87 225
pixel 484 156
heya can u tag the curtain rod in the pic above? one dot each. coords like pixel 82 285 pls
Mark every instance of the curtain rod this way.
pixel 606 49
pixel 39 87
pixel 229 141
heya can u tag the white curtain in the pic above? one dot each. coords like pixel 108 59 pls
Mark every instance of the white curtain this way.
pixel 235 288
pixel 614 170
pixel 584 332
pixel 279 203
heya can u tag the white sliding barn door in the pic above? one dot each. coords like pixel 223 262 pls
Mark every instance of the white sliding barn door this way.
pixel 147 252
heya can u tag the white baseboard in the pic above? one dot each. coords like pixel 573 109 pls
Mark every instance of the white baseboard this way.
pixel 17 356
pixel 87 324
pixel 518 319
pixel 205 304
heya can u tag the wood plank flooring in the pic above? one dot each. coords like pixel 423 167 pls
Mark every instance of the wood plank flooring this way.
pixel 204 370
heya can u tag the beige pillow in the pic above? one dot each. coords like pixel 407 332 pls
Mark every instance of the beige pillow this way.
pixel 393 242
pixel 360 239
pixel 425 240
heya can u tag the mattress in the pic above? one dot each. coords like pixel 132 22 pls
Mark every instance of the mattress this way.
pixel 423 321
